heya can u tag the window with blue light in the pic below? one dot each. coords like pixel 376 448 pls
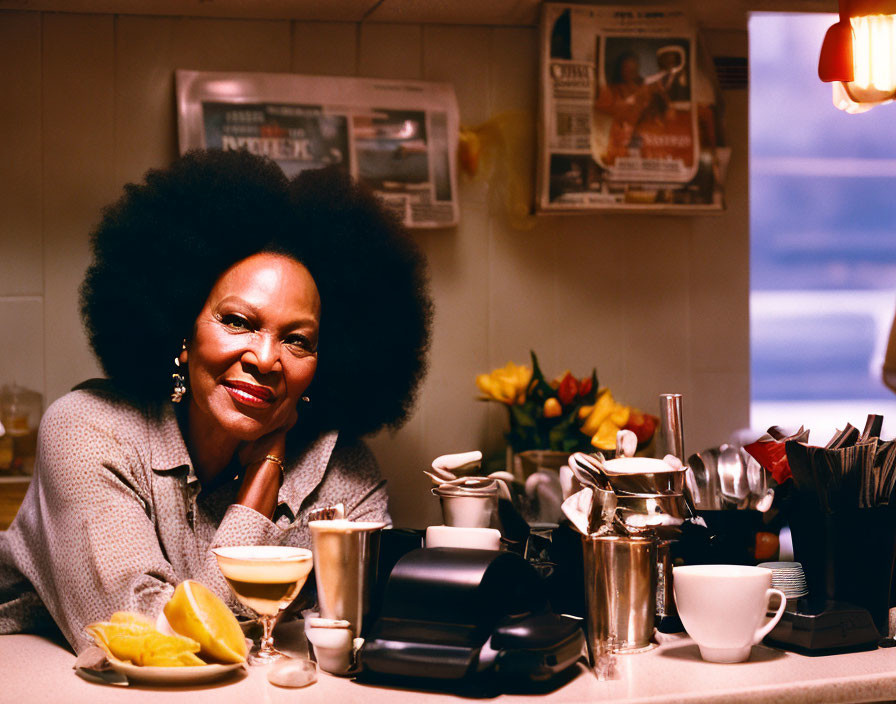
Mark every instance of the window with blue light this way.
pixel 823 238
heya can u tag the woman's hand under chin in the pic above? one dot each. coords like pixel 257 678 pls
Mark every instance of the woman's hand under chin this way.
pixel 262 480
pixel 274 443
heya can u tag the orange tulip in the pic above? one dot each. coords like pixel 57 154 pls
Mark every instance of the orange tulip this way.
pixel 552 408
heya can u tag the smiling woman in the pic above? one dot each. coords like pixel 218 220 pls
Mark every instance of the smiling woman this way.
pixel 235 314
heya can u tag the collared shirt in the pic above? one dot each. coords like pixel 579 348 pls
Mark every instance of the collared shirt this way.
pixel 115 516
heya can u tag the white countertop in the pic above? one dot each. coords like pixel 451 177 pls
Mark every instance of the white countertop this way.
pixel 36 670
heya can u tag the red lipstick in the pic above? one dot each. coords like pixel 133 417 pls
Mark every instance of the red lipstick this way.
pixel 249 394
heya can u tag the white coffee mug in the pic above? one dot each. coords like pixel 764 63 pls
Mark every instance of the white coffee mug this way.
pixel 722 607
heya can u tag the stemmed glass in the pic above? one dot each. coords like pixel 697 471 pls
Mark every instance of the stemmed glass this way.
pixel 265 578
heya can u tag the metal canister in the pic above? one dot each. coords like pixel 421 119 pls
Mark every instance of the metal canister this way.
pixel 345 566
pixel 620 591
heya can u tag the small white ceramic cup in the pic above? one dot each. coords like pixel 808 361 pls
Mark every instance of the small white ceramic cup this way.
pixel 722 607
pixel 455 537
pixel 468 510
pixel 332 643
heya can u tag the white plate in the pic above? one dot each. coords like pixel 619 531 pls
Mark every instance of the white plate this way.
pixel 197 674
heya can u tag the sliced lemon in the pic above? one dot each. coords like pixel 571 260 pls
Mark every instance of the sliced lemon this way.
pixel 132 638
pixel 196 612
pixel 134 619
pixel 154 648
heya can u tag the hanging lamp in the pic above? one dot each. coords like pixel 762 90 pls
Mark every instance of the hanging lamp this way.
pixel 858 55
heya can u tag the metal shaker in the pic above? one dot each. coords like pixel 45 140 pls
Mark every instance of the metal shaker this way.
pixel 345 563
pixel 671 430
pixel 672 433
pixel 620 592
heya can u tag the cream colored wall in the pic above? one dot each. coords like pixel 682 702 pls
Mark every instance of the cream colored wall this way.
pixel 657 303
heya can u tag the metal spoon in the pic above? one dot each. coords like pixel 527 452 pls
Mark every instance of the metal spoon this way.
pixel 440 475
pixel 733 483
pixel 603 512
pixel 588 470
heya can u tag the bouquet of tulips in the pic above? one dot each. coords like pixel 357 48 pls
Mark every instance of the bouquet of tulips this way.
pixel 568 413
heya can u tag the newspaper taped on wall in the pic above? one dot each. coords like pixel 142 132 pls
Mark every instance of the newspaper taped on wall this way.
pixel 630 115
pixel 398 137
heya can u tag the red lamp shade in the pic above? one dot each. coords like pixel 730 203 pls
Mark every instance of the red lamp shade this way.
pixel 835 63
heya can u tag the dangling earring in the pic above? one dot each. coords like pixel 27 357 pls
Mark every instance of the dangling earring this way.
pixel 305 399
pixel 180 381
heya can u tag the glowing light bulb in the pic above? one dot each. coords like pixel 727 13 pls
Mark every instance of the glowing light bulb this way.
pixel 874 52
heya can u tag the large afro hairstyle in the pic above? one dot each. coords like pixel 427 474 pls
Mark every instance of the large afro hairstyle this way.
pixel 159 249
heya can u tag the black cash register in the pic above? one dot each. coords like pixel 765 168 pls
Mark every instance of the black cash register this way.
pixel 456 613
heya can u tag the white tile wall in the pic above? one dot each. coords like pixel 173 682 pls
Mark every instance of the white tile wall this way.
pixel 21 246
pixel 655 303
pixel 22 341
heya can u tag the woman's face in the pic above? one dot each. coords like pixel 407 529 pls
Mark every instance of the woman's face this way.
pixel 254 346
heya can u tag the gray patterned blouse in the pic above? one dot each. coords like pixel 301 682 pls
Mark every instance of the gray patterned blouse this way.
pixel 115 516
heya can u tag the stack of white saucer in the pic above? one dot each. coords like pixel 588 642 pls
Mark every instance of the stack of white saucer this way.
pixel 790 579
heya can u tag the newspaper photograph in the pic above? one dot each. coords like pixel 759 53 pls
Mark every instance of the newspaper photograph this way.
pixel 397 137
pixel 629 112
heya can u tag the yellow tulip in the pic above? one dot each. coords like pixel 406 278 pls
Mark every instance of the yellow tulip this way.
pixel 507 384
pixel 602 409
pixel 620 415
pixel 605 437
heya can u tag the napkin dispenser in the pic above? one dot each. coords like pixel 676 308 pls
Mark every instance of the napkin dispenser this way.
pixel 456 613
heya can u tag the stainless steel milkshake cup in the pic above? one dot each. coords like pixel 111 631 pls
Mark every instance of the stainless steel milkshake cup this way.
pixel 345 563
pixel 620 592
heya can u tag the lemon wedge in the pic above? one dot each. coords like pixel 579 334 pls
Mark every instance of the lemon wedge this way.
pixel 138 621
pixel 196 612
pixel 133 638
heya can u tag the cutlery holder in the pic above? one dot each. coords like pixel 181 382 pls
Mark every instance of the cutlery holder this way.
pixel 847 555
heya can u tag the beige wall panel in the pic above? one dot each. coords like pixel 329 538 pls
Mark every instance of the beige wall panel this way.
pixel 454 421
pixel 149 52
pixel 311 10
pixel 391 51
pixel 656 311
pixel 78 140
pixel 718 408
pixel 145 113
pixel 720 274
pixel 460 55
pixel 22 344
pixel 592 297
pixel 447 417
pixel 521 295
pixel 512 104
pixel 21 252
pixel 325 48
pixel 513 61
pixel 457 12
pixel 231 45
pixel 402 457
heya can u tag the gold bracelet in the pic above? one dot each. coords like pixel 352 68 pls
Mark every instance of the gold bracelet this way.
pixel 273 459
pixel 276 460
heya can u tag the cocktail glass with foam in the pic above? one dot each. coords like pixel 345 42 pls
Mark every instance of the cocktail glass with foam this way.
pixel 265 578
